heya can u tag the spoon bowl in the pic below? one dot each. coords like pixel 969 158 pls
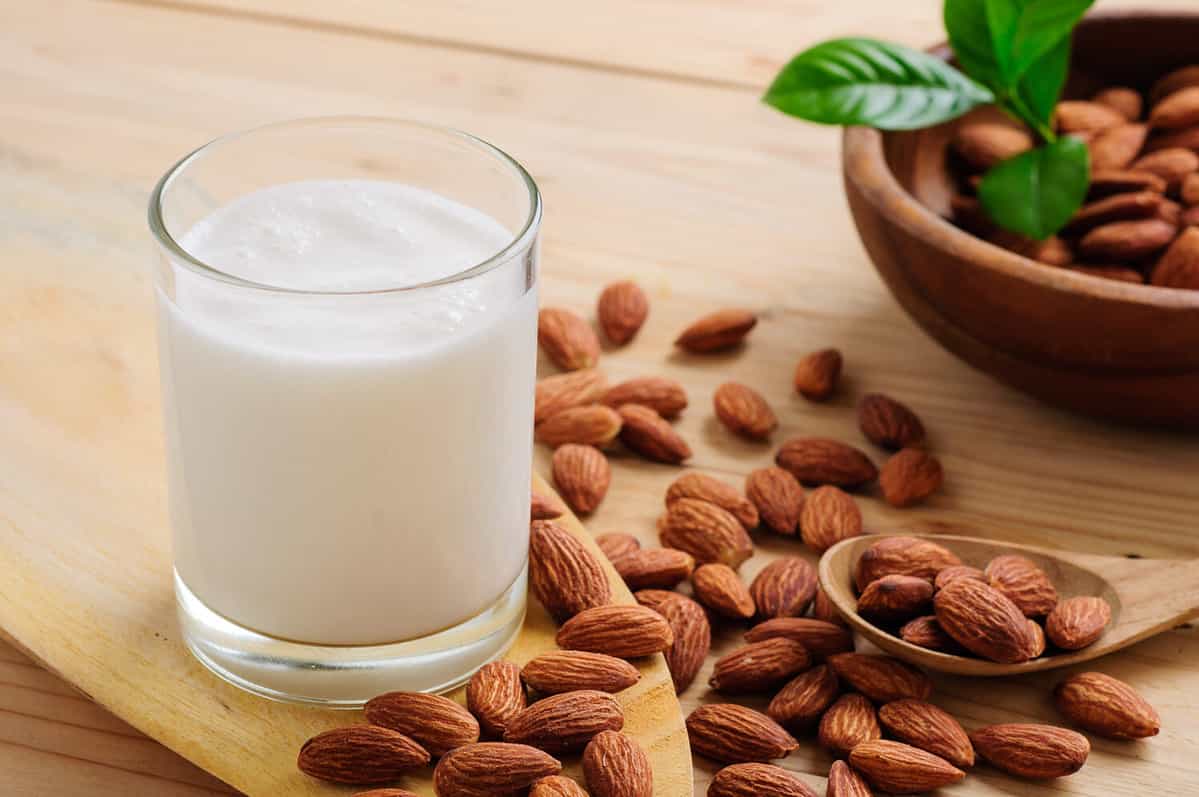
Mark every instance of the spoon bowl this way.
pixel 1147 596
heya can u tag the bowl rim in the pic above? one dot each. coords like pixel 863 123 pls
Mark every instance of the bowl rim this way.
pixel 863 163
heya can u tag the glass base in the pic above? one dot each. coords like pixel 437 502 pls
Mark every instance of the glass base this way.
pixel 348 676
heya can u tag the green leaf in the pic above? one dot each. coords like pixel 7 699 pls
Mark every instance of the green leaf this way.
pixel 1041 85
pixel 1023 31
pixel 1037 192
pixel 866 82
pixel 970 37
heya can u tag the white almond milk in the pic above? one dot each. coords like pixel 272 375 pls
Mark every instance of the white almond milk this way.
pixel 348 470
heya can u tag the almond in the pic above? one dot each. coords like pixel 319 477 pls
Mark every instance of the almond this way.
pixel 1118 207
pixel 648 433
pixel 557 786
pixel 921 724
pixel 847 723
pixel 1174 81
pixel 592 425
pixel 1077 622
pixel 654 598
pixel 1189 189
pixel 563 391
pixel 1172 164
pixel 784 588
pixel 802 701
pixel 626 632
pixel 818 460
pixel 1190 217
pixel 567 339
pixel 1127 102
pixel 1117 146
pixel 720 330
pixel 1025 584
pixel 895 599
pixel 615 766
pixel 926 632
pixel 543 507
pixel 817 374
pixel 1053 250
pixel 582 475
pixel 1109 182
pixel 1106 706
pixel 905 556
pixel 881 678
pixel 616 544
pixel 823 609
pixel 719 588
pixel 1080 116
pixel 829 516
pixel 707 532
pixel 820 638
pixel 959 571
pixel 655 568
pixel 664 396
pixel 778 497
pixel 622 309
pixel 1179 109
pixel 563 575
pixel 565 722
pixel 910 476
pixel 1127 240
pixel 489 769
pixel 984 144
pixel 360 755
pixel 1179 266
pixel 844 782
pixel 757 780
pixel 1032 751
pixel 736 734
pixel 888 423
pixel 743 411
pixel 692 638
pixel 902 769
pixel 567 670
pixel 707 488
pixel 984 621
pixel 438 723
pixel 495 695
pixel 1038 639
pixel 759 666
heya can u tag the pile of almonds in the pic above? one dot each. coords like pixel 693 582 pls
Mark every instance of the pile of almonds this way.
pixel 1141 219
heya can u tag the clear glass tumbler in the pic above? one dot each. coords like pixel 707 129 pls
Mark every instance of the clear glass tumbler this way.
pixel 347 333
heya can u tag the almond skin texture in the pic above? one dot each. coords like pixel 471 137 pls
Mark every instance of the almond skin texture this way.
pixel 1179 266
pixel 902 769
pixel 923 725
pixel 565 722
pixel 654 568
pixel 557 786
pixel 959 571
pixel 817 374
pixel 844 782
pixel 592 425
pixel 621 310
pixel 895 599
pixel 757 780
pixel 888 423
pixel 568 670
pixel 802 701
pixel 1079 116
pixel 567 339
pixel 707 488
pixel 360 755
pixel 829 515
pixel 1025 584
pixel 1127 240
pixel 582 475
pixel 779 498
pixel 438 723
pixel 823 609
pixel 1077 622
pixel 1179 109
pixel 1032 751
pixel 563 575
pixel 542 507
pixel 1126 101
pixel 626 632
pixel 655 598
pixel 743 411
pixel 1108 182
pixel 491 768
pixel 910 476
pixel 720 330
pixel 1174 81
pixel 1038 638
pixel 926 632
pixel 1172 164
pixel 664 396
pixel 818 460
pixel 905 556
pixel 563 391
pixel 981 619
pixel 881 678
pixel 1120 207
pixel 984 144
pixel 1190 189
pixel 1106 706
pixel 645 431
pixel 707 532
pixel 847 723
pixel 759 666
pixel 735 734
pixel 784 588
pixel 1117 147
pixel 820 638
pixel 720 589
pixel 616 544
pixel 615 766
pixel 692 638
pixel 495 695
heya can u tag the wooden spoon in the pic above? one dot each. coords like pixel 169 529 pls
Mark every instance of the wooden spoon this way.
pixel 1147 596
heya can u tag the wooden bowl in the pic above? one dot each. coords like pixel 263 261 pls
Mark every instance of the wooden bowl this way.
pixel 1116 350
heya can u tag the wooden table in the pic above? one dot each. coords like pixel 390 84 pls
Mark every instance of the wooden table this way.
pixel 640 121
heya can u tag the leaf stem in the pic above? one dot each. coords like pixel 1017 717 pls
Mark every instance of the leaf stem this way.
pixel 1013 101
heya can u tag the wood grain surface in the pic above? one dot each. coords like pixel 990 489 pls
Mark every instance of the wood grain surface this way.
pixel 641 124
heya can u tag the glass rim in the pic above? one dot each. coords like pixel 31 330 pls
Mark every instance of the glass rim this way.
pixel 517 242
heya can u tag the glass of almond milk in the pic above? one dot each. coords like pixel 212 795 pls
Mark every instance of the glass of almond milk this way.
pixel 347 314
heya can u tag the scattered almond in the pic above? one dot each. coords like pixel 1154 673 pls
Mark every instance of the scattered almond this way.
pixel 719 588
pixel 720 330
pixel 823 609
pixel 582 475
pixel 565 722
pixel 757 780
pixel 563 391
pixel 707 532
pixel 888 423
pixel 820 638
pixel 910 476
pixel 495 695
pixel 743 410
pixel 881 678
pixel 567 339
pixel 902 769
pixel 694 484
pixel 692 638
pixel 360 755
pixel 488 769
pixel 592 425
pixel 802 701
pixel 1024 583
pixel 1077 622
pixel 615 766
pixel 655 598
pixel 563 574
pixel 895 599
pixel 1032 751
pixel 664 396
pixel 779 498
pixel 847 723
pixel 648 433
pixel 758 666
pixel 542 507
pixel 437 723
pixel 817 374
pixel 622 309
pixel 984 621
pixel 784 588
pixel 736 734
pixel 568 670
pixel 829 516
pixel 616 544
pixel 817 460
pixel 923 725
pixel 844 782
pixel 905 556
pixel 654 568
pixel 626 632
pixel 1106 706
pixel 557 786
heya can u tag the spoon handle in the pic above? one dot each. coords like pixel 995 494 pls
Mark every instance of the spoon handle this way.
pixel 1155 594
